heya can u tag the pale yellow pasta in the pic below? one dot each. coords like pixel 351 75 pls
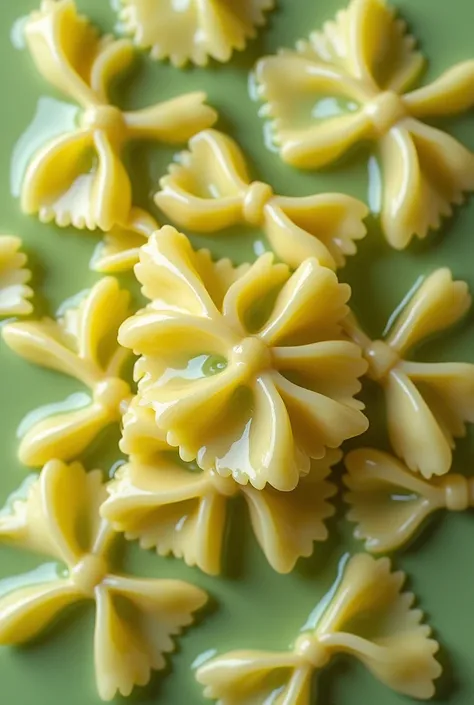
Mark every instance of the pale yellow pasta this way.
pixel 14 277
pixel 194 30
pixel 79 178
pixel 357 75
pixel 118 250
pixel 427 403
pixel 81 343
pixel 366 616
pixel 251 381
pixel 209 189
pixel 166 506
pixel 59 509
pixel 389 504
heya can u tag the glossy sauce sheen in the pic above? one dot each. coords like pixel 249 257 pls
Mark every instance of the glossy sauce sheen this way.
pixel 246 378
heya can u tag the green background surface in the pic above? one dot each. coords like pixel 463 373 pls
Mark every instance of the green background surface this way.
pixel 252 606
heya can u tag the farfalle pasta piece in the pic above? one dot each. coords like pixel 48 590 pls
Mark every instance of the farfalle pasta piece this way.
pixel 195 30
pixel 209 189
pixel 79 177
pixel 14 277
pixel 367 616
pixel 252 381
pixel 119 248
pixel 156 500
pixel 389 504
pixel 427 404
pixel 355 76
pixel 61 509
pixel 81 343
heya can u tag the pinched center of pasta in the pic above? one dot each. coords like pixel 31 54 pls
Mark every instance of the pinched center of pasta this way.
pixel 252 355
pixel 459 492
pixel 89 573
pixel 107 118
pixel 256 197
pixel 112 394
pixel 382 359
pixel 385 111
pixel 312 651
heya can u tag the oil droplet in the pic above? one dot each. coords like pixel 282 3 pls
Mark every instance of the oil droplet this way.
pixel 196 368
pixel 375 186
pixel 214 191
pixel 408 497
pixel 76 401
pixel 260 247
pixel 52 118
pixel 17 33
pixel 316 615
pixel 332 107
pixel 116 466
pixel 237 459
pixel 46 573
pixel 202 658
pixel 213 365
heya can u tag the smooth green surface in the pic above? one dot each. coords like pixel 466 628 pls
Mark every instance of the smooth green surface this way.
pixel 252 606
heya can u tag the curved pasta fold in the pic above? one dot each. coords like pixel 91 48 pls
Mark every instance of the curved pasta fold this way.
pixel 389 504
pixel 396 648
pixel 357 75
pixel 210 189
pixel 59 509
pixel 194 32
pixel 82 344
pixel 79 178
pixel 176 509
pixel 428 404
pixel 248 389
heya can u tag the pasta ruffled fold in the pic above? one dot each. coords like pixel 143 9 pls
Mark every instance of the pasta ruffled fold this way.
pixel 178 510
pixel 209 189
pixel 427 404
pixel 353 82
pixel 118 251
pixel 81 343
pixel 79 178
pixel 389 504
pixel 14 277
pixel 251 381
pixel 368 617
pixel 195 31
pixel 59 510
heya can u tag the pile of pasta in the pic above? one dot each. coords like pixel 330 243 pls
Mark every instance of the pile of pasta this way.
pixel 245 377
